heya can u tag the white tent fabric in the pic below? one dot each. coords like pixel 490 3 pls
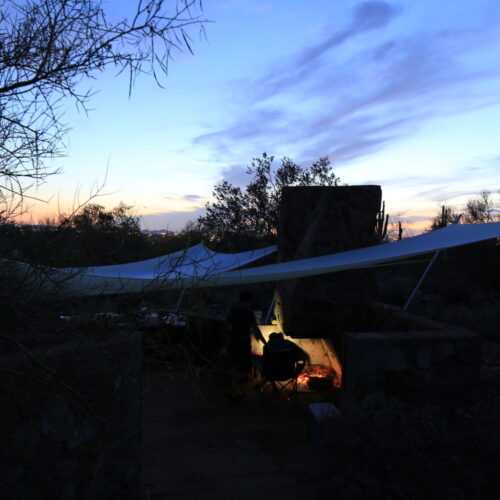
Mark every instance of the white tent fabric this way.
pixel 448 237
pixel 157 273
pixel 192 265
pixel 194 262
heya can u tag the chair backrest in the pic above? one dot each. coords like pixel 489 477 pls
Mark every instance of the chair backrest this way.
pixel 280 365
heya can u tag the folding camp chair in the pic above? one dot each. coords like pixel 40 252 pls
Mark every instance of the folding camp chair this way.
pixel 280 371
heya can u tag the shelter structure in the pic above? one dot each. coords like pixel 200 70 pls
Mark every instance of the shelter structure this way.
pixel 142 276
pixel 332 237
pixel 367 347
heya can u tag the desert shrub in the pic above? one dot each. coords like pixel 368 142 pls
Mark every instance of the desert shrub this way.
pixel 480 319
pixel 401 452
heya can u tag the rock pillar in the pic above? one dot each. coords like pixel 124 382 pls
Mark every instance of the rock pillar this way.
pixel 320 220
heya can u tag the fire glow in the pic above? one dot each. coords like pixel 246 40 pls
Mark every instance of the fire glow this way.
pixel 310 375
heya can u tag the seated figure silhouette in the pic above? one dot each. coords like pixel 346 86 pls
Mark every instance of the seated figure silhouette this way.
pixel 282 360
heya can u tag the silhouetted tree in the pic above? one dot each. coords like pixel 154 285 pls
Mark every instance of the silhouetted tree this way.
pixel 479 210
pixel 237 215
pixel 91 236
pixel 48 47
pixel 96 217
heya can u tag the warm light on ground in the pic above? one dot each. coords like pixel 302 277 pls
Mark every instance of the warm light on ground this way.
pixel 306 380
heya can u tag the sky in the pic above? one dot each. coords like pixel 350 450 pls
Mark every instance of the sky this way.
pixel 403 94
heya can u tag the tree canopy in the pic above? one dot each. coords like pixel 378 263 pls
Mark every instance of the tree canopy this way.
pixel 96 217
pixel 238 215
pixel 479 210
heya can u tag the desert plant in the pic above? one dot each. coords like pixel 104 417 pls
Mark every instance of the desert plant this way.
pixel 237 215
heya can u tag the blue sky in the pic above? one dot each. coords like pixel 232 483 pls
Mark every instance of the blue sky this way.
pixel 404 94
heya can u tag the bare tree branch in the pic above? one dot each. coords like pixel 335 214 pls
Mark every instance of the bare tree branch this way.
pixel 49 47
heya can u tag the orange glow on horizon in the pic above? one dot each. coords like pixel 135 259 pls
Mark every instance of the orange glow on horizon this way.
pixel 419 227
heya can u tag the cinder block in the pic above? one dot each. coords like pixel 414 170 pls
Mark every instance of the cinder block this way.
pixel 321 415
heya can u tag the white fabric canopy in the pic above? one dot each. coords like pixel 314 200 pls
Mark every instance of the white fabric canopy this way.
pixel 194 262
pixel 199 266
pixel 192 265
pixel 448 237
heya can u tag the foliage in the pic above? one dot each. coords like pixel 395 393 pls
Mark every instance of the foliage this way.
pixel 49 47
pixel 479 210
pixel 91 236
pixel 395 451
pixel 446 217
pixel 95 216
pixel 237 215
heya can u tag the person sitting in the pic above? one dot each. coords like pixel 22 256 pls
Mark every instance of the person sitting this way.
pixel 282 359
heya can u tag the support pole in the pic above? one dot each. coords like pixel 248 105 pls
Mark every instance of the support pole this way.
pixel 425 273
pixel 267 320
pixel 179 301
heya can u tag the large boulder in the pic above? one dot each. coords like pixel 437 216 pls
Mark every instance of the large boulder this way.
pixel 320 220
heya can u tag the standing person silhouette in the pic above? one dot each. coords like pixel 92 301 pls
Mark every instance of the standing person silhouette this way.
pixel 241 325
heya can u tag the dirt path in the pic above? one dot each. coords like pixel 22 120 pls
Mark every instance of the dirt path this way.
pixel 198 445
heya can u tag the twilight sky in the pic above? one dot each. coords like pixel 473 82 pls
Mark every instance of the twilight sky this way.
pixel 399 93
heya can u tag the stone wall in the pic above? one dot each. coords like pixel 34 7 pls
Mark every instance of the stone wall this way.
pixel 71 417
pixel 414 367
pixel 319 220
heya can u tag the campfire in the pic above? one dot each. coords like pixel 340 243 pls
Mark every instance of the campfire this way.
pixel 324 371
pixel 318 378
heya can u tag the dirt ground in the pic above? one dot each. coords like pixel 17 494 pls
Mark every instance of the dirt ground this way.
pixel 197 444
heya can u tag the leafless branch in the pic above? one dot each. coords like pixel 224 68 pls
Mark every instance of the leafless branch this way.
pixel 48 48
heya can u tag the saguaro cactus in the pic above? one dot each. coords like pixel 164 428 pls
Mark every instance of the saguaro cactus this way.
pixel 381 224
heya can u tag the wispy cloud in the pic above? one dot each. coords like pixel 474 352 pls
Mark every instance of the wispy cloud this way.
pixel 179 203
pixel 366 17
pixel 236 174
pixel 479 175
pixel 192 197
pixel 249 128
pixel 331 98
pixel 447 194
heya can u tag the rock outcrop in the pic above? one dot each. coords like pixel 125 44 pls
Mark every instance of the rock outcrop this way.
pixel 319 220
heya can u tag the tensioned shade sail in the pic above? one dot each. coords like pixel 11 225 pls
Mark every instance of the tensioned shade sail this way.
pixel 194 262
pixel 89 282
pixel 448 237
